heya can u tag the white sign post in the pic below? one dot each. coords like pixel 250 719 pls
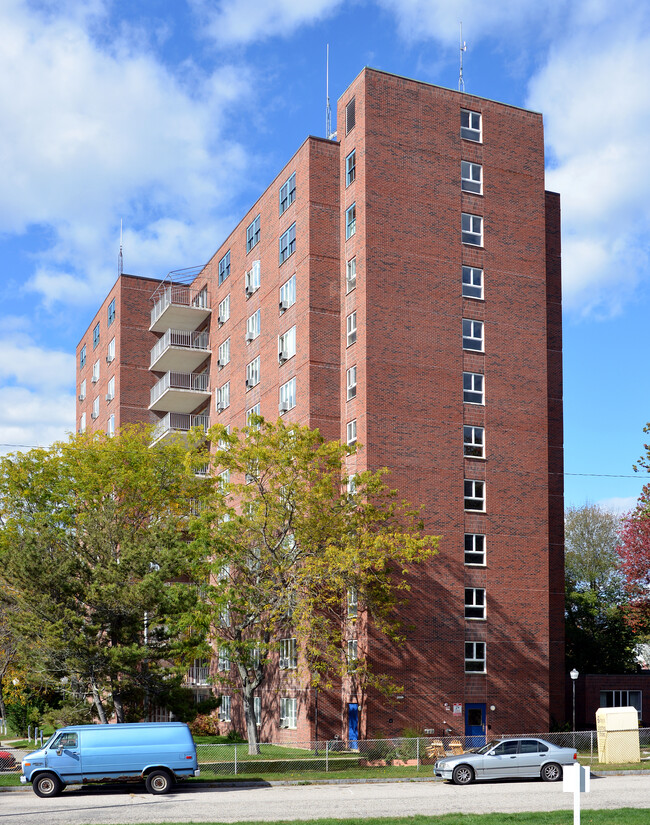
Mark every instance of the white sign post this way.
pixel 576 780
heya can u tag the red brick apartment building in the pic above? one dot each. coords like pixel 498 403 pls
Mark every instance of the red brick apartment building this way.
pixel 399 285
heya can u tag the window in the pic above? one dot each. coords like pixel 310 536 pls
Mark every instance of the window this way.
pixel 352 486
pixel 532 746
pixel 350 116
pixel 253 373
pixel 223 397
pixel 352 382
pixel 473 335
pixel 473 442
pixel 110 355
pixel 82 357
pixel 224 354
pixel 474 549
pixel 474 657
pixel 474 495
pixel 253 325
pixel 475 603
pixel 288 193
pixel 224 310
pixel 95 376
pixel 288 294
pixel 506 748
pixel 223 662
pixel 621 699
pixel 82 390
pixel 224 267
pixel 473 388
pixel 471 177
pixel 95 413
pixel 111 313
pixel 352 328
pixel 253 278
pixel 96 335
pixel 471 125
pixel 287 243
pixel 472 282
pixel 351 274
pixel 253 234
pixel 288 654
pixel 350 221
pixel 351 167
pixel 287 345
pixel 257 710
pixel 110 389
pixel 352 653
pixel 353 603
pixel 82 423
pixel 110 429
pixel 288 713
pixel 472 229
pixel 223 479
pixel 200 300
pixel 250 414
pixel 352 432
pixel 224 708
pixel 288 396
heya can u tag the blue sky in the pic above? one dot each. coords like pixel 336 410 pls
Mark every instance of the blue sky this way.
pixel 174 116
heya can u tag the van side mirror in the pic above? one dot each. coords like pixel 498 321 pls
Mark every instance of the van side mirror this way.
pixel 59 751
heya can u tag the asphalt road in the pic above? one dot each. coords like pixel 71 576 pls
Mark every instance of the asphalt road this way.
pixel 134 805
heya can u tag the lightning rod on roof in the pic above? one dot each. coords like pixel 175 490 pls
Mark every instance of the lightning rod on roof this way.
pixel 328 108
pixel 120 260
pixel 463 48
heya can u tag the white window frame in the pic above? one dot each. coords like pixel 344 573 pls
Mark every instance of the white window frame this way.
pixel 352 653
pixel 474 388
pixel 287 193
pixel 288 713
pixel 223 479
pixel 471 125
pixel 475 550
pixel 250 413
pixel 222 397
pixel 223 661
pixel 254 325
pixel 351 383
pixel 110 353
pixel 473 335
pixel 82 423
pixel 474 495
pixel 287 399
pixel 224 310
pixel 351 324
pixel 287 345
pixel 471 177
pixel 253 278
pixel 110 389
pixel 473 441
pixel 352 432
pixel 253 233
pixel 350 221
pixel 351 274
pixel 471 229
pixel 110 426
pixel 475 604
pixel 472 280
pixel 225 708
pixel 82 390
pixel 475 657
pixel 95 375
pixel 353 603
pixel 224 354
pixel 351 486
pixel 95 413
pixel 351 168
pixel 257 710
pixel 288 294
pixel 288 659
pixel 287 243
pixel 253 373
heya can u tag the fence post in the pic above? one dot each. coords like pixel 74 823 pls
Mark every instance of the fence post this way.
pixel 417 751
pixel 327 753
pixel 29 733
pixel 235 759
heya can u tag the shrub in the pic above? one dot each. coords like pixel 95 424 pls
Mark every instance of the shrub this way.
pixel 204 725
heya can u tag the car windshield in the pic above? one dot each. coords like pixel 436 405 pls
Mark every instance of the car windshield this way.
pixel 488 746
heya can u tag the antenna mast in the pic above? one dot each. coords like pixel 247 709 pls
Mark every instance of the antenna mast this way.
pixel 463 48
pixel 328 109
pixel 120 260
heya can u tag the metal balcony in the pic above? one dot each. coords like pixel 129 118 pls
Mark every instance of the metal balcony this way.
pixel 198 674
pixel 180 392
pixel 179 307
pixel 180 350
pixel 175 424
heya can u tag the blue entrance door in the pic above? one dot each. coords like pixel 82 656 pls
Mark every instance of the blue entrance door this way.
pixel 353 725
pixel 474 724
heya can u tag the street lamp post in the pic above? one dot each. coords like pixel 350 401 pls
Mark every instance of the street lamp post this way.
pixel 574 676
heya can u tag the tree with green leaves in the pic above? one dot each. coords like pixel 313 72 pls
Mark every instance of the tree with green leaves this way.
pixel 93 544
pixel 282 539
pixel 598 638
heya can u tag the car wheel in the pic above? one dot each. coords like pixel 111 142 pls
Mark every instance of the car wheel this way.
pixel 462 775
pixel 158 782
pixel 551 772
pixel 46 785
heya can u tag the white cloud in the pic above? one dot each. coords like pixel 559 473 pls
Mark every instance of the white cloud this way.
pixel 245 21
pixel 33 419
pixel 618 505
pixel 31 366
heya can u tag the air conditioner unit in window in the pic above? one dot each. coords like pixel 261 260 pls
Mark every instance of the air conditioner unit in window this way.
pixel 94 415
pixel 249 290
pixel 283 406
pixel 82 397
pixel 94 379
pixel 221 320
pixel 221 406
pixel 250 382
pixel 221 364
pixel 282 356
pixel 109 397
pixel 250 336
pixel 110 358
pixel 284 304
pixel 284 663
pixel 284 723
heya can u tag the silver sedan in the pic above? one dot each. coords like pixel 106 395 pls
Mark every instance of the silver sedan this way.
pixel 507 758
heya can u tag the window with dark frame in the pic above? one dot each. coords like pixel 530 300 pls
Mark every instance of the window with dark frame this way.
pixel 253 234
pixel 111 312
pixel 287 193
pixel 96 335
pixel 224 267
pixel 287 243
pixel 351 167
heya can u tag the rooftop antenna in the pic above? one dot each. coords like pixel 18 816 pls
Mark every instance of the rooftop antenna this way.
pixel 328 108
pixel 120 260
pixel 463 48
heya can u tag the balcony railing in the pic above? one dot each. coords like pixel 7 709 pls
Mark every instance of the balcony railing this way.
pixel 179 423
pixel 194 385
pixel 180 346
pixel 198 675
pixel 188 307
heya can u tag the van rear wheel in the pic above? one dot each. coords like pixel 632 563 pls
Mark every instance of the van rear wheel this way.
pixel 47 785
pixel 158 782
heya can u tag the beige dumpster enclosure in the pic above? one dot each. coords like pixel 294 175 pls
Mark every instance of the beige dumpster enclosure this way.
pixel 618 735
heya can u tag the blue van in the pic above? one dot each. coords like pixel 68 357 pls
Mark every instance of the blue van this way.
pixel 158 752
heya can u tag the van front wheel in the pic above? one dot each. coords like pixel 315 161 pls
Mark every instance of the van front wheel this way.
pixel 158 782
pixel 46 785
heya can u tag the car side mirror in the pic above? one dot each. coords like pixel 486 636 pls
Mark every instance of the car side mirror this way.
pixel 59 751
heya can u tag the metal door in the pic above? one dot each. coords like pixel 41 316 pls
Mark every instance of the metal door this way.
pixel 474 724
pixel 353 725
